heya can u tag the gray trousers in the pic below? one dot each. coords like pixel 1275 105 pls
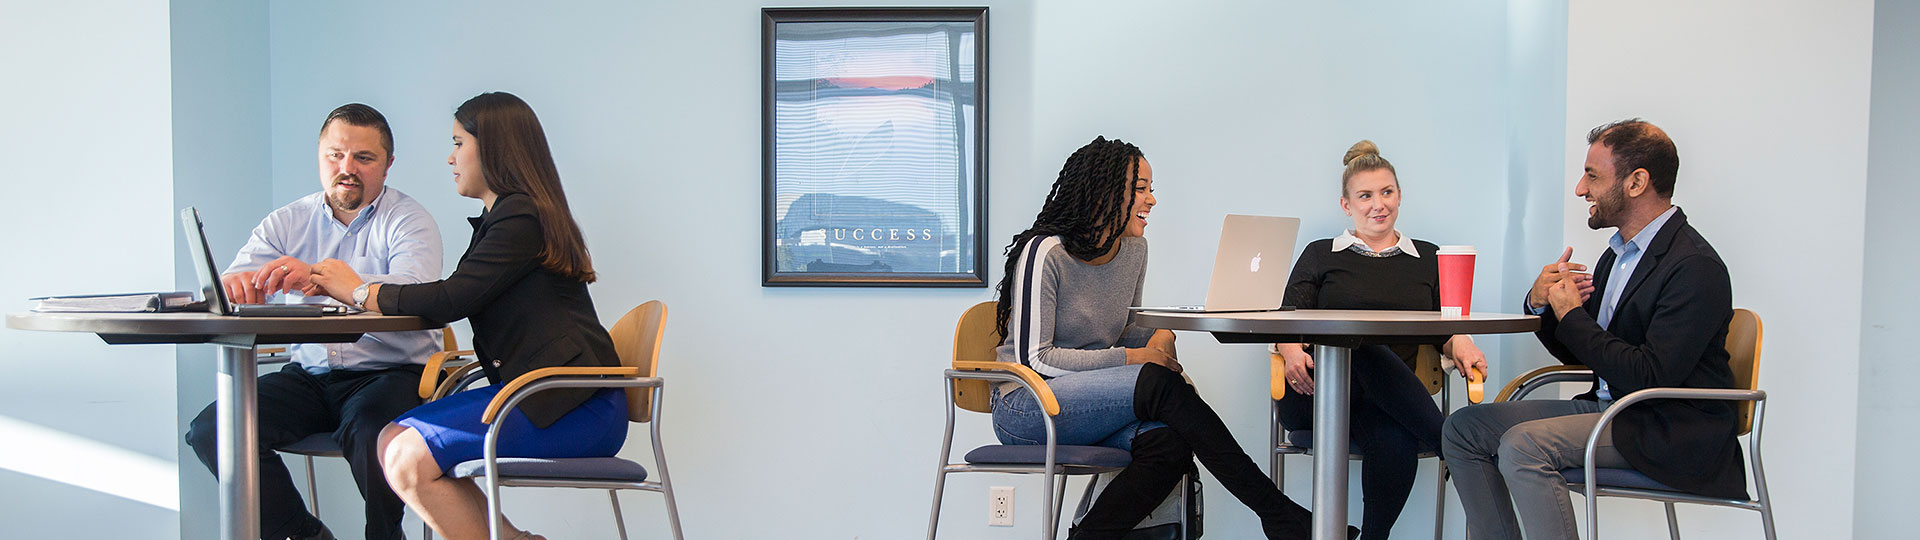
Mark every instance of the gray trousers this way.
pixel 1506 460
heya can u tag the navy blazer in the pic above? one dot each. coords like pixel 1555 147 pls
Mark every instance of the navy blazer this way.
pixel 1668 330
pixel 524 316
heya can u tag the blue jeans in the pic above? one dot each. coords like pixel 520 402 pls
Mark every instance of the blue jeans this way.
pixel 1096 409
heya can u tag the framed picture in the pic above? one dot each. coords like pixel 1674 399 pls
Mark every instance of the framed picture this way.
pixel 874 147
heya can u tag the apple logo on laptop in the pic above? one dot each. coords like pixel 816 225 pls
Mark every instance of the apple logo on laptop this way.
pixel 1255 264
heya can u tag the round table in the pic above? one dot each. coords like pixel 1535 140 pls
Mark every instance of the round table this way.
pixel 1334 333
pixel 235 403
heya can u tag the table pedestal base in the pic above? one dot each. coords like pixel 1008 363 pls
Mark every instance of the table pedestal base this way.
pixel 1331 396
pixel 236 411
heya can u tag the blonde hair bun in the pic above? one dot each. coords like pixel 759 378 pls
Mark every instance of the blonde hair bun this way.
pixel 1362 148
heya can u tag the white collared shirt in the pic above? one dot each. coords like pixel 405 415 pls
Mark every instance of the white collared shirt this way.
pixel 1348 240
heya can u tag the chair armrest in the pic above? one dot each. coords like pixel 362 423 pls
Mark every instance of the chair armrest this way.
pixel 436 367
pixel 1027 376
pixel 457 378
pixel 1525 384
pixel 513 387
pixel 1606 418
pixel 1476 387
pixel 271 355
pixel 1277 380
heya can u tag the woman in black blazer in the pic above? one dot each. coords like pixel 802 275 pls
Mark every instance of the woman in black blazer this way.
pixel 523 285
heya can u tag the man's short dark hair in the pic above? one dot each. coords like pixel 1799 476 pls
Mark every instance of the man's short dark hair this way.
pixel 1637 144
pixel 357 114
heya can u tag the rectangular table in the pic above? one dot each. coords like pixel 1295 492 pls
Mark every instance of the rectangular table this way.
pixel 235 403
pixel 1334 334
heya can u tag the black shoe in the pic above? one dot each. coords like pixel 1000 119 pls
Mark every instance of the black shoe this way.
pixel 1353 533
pixel 1160 458
pixel 322 534
pixel 1162 395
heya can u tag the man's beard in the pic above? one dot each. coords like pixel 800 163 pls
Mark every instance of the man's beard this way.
pixel 341 201
pixel 1607 208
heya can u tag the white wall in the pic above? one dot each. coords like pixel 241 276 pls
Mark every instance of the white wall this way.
pixel 815 413
pixel 88 429
pixel 1887 407
pixel 1767 102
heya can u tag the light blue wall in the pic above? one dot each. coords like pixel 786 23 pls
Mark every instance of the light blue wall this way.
pixel 1537 133
pixel 88 430
pixel 815 413
pixel 1887 406
pixel 220 166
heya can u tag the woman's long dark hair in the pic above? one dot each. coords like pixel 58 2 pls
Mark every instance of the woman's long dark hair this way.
pixel 514 158
pixel 1087 209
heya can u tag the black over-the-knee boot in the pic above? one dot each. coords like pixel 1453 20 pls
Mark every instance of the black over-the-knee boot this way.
pixel 1160 457
pixel 1161 395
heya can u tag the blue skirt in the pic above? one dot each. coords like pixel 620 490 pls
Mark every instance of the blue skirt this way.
pixel 454 434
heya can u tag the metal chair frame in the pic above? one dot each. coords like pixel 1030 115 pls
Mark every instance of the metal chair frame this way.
pixel 1057 490
pixel 664 486
pixel 1761 503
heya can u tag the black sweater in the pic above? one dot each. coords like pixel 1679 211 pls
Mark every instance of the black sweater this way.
pixel 1328 279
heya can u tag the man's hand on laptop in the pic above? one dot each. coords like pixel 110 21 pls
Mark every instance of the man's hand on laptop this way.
pixel 240 289
pixel 284 274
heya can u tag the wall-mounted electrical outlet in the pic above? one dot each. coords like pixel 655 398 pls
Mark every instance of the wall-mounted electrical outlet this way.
pixel 1000 506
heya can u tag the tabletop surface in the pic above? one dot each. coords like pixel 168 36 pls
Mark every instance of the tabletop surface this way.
pixel 1341 322
pixel 207 323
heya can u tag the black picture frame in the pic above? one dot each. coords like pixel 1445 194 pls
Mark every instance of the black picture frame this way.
pixel 884 134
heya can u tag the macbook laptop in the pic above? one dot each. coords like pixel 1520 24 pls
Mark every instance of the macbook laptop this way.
pixel 1250 269
pixel 216 296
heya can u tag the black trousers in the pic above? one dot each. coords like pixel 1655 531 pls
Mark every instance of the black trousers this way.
pixel 352 406
pixel 1393 419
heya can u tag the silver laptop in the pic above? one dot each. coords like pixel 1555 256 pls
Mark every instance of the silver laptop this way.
pixel 216 296
pixel 1251 267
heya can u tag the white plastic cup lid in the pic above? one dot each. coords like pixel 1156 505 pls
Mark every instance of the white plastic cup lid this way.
pixel 1449 311
pixel 1456 250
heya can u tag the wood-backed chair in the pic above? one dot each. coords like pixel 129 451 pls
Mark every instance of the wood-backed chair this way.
pixel 976 369
pixel 1744 336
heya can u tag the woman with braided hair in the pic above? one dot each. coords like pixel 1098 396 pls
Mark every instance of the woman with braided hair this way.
pixel 1063 309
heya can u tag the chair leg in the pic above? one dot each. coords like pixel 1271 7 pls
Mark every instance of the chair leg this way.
pixel 313 492
pixel 426 531
pixel 619 522
pixel 1440 499
pixel 1059 505
pixel 1673 523
pixel 1274 462
pixel 1186 490
pixel 939 489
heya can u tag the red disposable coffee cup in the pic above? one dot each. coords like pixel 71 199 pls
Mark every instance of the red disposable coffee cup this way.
pixel 1456 280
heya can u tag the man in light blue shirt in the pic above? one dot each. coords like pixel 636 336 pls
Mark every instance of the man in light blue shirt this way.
pixel 347 390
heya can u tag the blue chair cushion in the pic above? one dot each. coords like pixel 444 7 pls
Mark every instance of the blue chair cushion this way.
pixel 317 445
pixel 1035 454
pixel 1620 478
pixel 1304 438
pixel 604 468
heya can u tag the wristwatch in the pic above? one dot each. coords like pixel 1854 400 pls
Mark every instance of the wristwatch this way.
pixel 360 296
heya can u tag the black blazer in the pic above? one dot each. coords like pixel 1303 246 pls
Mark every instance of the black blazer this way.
pixel 1668 330
pixel 524 317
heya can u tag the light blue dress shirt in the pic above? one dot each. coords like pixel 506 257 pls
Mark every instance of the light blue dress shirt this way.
pixel 393 240
pixel 1626 255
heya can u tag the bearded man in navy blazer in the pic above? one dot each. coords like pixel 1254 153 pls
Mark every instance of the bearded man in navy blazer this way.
pixel 1659 320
